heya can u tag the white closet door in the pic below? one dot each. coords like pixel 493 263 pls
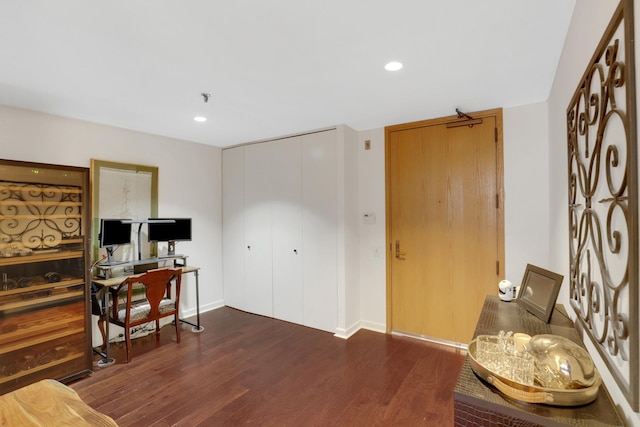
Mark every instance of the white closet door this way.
pixel 257 221
pixel 319 229
pixel 286 223
pixel 233 250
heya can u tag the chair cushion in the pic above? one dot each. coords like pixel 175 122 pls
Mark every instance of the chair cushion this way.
pixel 142 309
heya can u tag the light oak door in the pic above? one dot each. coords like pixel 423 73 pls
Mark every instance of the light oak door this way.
pixel 445 225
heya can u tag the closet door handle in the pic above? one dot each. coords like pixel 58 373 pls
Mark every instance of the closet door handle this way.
pixel 295 251
pixel 248 247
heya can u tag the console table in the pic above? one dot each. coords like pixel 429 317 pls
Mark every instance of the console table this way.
pixel 116 281
pixel 477 403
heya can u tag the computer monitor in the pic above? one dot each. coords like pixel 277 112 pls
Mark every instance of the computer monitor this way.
pixel 114 233
pixel 169 230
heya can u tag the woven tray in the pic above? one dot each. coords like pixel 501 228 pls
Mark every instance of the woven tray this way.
pixel 534 394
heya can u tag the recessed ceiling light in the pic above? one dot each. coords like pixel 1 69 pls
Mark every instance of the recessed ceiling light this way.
pixel 393 66
pixel 200 119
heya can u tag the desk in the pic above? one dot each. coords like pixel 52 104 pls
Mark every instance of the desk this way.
pixel 478 403
pixel 105 271
pixel 116 281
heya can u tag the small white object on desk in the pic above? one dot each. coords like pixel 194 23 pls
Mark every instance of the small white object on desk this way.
pixel 506 290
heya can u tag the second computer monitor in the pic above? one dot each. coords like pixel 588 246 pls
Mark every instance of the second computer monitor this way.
pixel 169 230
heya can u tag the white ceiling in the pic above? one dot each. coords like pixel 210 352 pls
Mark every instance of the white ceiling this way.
pixel 275 67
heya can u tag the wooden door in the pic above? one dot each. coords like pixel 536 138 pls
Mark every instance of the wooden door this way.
pixel 445 226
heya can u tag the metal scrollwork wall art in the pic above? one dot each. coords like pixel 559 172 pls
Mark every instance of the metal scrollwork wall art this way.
pixel 603 202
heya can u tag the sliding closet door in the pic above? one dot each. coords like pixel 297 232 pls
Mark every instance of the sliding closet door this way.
pixel 233 249
pixel 257 222
pixel 319 229
pixel 286 214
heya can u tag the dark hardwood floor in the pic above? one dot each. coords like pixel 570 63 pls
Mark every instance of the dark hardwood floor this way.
pixel 251 370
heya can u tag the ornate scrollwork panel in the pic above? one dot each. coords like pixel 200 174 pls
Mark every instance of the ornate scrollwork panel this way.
pixel 603 206
pixel 38 216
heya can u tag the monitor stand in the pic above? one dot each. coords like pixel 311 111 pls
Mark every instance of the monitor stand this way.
pixel 110 258
pixel 171 248
pixel 109 255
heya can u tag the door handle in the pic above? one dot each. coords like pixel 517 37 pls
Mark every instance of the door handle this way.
pixel 399 255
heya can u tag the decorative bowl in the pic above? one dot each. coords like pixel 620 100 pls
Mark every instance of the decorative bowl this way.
pixel 535 393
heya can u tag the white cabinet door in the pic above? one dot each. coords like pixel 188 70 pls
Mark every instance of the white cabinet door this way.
pixel 319 229
pixel 281 229
pixel 257 229
pixel 286 221
pixel 233 250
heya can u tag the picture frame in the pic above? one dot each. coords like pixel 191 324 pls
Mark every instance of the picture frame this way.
pixel 539 291
pixel 122 190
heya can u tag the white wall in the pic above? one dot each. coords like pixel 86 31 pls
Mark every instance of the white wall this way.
pixel 526 188
pixel 189 180
pixel 372 236
pixel 348 281
pixel 588 24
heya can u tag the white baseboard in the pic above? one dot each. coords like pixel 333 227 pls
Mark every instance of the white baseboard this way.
pixel 363 324
pixel 203 309
pixel 346 333
pixel 374 326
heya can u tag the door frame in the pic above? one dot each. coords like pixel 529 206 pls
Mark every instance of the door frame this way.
pixel 497 114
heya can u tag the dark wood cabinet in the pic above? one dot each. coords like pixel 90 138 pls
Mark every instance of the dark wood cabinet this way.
pixel 44 273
